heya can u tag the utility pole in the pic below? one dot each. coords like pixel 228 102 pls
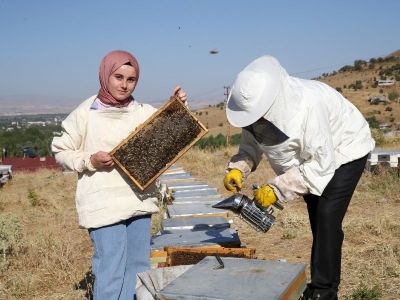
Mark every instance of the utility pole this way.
pixel 228 134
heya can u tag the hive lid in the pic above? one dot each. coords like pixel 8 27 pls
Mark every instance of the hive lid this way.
pixel 241 278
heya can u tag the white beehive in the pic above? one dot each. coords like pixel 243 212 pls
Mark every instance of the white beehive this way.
pixel 387 158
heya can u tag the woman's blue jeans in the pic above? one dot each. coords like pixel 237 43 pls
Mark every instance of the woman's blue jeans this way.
pixel 120 252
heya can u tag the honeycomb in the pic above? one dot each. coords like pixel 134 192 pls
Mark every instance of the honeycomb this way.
pixel 179 258
pixel 177 255
pixel 158 143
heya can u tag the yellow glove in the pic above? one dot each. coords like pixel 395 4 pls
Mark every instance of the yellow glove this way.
pixel 233 181
pixel 265 195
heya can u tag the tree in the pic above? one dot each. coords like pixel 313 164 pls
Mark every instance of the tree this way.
pixel 38 138
pixel 358 64
pixel 346 68
pixel 373 122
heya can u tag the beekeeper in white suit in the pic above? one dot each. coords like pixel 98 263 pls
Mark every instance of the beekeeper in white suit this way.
pixel 316 141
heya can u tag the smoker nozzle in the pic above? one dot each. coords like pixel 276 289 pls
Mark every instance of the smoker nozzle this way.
pixel 259 219
pixel 226 203
pixel 234 202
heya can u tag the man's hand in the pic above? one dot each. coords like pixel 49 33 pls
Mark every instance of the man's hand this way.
pixel 265 195
pixel 101 159
pixel 233 181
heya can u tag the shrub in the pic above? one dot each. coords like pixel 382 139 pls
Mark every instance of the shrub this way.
pixel 378 136
pixel 235 139
pixel 10 236
pixel 393 95
pixel 288 235
pixel 364 293
pixel 33 197
pixel 373 122
pixel 212 142
pixel 346 68
pixel 356 86
pixel 217 142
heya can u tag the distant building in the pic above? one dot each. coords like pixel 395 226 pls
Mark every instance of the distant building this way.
pixel 31 164
pixel 39 123
pixel 385 82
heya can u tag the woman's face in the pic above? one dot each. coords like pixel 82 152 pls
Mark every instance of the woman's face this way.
pixel 122 82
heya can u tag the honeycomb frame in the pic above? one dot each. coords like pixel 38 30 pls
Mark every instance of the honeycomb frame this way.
pixel 158 143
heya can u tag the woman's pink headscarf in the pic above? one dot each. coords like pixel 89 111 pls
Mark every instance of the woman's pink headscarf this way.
pixel 110 63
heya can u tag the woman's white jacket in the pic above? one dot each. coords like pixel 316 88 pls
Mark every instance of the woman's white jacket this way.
pixel 104 196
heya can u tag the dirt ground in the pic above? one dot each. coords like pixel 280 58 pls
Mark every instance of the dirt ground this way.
pixel 289 239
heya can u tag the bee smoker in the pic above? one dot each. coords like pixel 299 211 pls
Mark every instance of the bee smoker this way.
pixel 259 217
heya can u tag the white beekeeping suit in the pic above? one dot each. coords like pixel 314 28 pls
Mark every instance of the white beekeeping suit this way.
pixel 310 129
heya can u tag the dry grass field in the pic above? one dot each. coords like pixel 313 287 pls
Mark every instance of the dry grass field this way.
pixel 45 256
pixel 371 252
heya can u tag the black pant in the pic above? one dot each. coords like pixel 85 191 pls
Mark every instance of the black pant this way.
pixel 326 213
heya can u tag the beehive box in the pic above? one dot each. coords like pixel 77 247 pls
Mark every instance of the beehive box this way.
pixel 157 143
pixel 384 158
pixel 226 237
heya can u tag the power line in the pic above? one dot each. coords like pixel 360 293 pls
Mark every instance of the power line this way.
pixel 205 93
pixel 329 67
pixel 315 70
pixel 292 74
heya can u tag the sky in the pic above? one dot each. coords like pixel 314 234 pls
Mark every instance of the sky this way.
pixel 53 48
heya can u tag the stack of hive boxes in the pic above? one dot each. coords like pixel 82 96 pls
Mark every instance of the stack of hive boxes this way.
pixel 192 228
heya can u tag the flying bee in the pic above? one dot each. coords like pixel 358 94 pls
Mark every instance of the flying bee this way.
pixel 214 51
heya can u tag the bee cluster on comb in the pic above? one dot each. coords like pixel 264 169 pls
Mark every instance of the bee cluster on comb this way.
pixel 155 145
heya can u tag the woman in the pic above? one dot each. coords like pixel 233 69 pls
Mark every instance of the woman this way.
pixel 116 213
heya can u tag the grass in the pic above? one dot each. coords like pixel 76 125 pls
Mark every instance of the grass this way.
pixel 44 254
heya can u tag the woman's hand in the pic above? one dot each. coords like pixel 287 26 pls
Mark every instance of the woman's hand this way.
pixel 101 159
pixel 180 94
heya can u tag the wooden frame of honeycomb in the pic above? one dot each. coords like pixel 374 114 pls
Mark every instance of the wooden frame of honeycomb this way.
pixel 192 255
pixel 157 143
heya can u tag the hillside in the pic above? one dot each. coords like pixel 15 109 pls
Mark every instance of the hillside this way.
pixel 214 117
pixel 360 97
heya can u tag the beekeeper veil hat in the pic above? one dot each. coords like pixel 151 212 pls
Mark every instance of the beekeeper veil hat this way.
pixel 254 91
